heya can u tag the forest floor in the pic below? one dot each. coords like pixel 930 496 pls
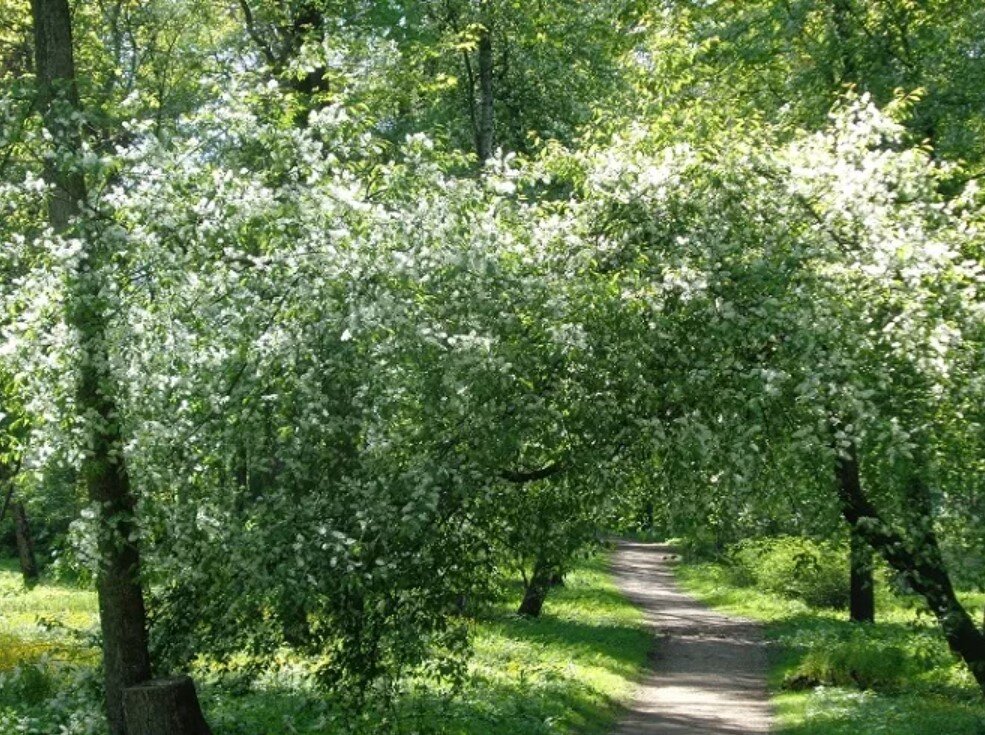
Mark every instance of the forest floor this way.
pixel 708 672
pixel 566 672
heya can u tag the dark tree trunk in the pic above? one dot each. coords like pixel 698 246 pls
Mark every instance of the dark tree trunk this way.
pixel 536 590
pixel 921 565
pixel 126 660
pixel 862 603
pixel 8 496
pixel 485 130
pixel 25 544
pixel 164 707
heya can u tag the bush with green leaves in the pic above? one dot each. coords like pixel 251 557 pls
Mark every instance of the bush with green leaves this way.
pixel 815 572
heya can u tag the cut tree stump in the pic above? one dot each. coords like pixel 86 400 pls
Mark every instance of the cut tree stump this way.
pixel 164 707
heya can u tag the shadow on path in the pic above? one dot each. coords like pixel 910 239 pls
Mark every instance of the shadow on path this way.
pixel 708 670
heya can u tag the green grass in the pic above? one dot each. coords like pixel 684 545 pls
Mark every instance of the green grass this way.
pixel 49 620
pixel 911 683
pixel 567 672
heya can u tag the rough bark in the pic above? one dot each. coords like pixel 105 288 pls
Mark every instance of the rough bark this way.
pixel 536 590
pixel 126 660
pixel 862 601
pixel 164 707
pixel 921 565
pixel 25 544
pixel 485 129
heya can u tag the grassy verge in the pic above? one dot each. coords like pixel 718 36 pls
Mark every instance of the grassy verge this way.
pixel 832 677
pixel 564 673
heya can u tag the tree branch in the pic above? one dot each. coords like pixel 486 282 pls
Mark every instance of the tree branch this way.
pixel 524 476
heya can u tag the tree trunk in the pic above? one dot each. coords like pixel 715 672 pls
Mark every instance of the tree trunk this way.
pixel 25 544
pixel 922 566
pixel 164 707
pixel 126 660
pixel 485 132
pixel 536 590
pixel 8 496
pixel 862 605
pixel 842 12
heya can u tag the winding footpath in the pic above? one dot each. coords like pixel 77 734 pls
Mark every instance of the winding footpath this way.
pixel 707 670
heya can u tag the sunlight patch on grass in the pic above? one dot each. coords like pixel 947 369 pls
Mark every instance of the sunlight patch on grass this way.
pixel 916 686
pixel 565 673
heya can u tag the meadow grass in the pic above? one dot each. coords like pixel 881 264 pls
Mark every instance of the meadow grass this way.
pixel 832 677
pixel 48 620
pixel 567 672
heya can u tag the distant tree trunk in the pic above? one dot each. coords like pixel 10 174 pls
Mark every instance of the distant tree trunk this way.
pixel 842 12
pixel 8 496
pixel 862 605
pixel 126 660
pixel 485 130
pixel 536 590
pixel 861 600
pixel 921 565
pixel 25 544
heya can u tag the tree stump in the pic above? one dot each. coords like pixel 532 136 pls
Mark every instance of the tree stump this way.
pixel 164 707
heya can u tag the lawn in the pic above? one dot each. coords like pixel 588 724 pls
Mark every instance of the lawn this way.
pixel 565 673
pixel 831 677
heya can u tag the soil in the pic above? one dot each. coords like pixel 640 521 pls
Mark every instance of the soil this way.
pixel 707 673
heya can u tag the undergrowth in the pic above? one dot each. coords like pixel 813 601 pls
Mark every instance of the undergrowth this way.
pixel 564 673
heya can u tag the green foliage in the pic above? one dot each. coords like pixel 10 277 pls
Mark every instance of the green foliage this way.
pixel 359 380
pixel 794 567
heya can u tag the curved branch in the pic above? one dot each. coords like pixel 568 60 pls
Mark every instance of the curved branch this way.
pixel 523 476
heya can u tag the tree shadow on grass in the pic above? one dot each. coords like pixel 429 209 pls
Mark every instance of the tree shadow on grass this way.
pixel 529 677
pixel 521 705
pixel 619 648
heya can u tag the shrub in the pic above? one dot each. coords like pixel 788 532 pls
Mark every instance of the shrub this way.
pixel 29 684
pixel 865 657
pixel 793 567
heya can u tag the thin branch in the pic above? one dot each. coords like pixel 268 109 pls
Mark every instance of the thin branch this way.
pixel 251 29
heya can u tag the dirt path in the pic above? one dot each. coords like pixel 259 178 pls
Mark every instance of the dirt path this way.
pixel 708 671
